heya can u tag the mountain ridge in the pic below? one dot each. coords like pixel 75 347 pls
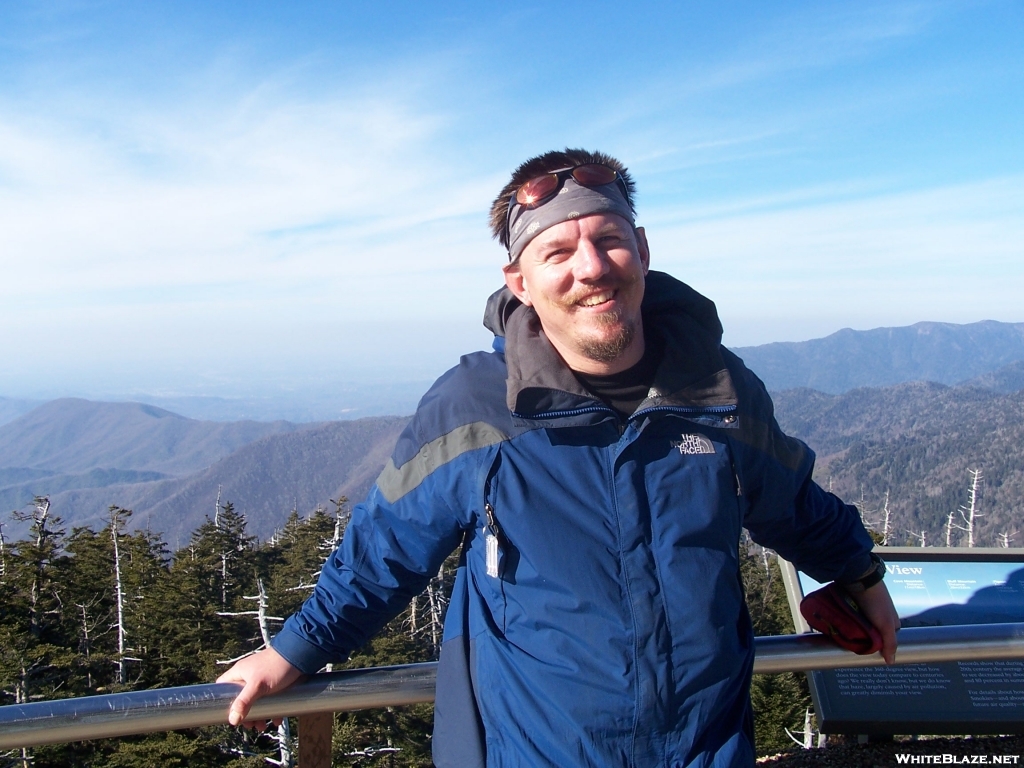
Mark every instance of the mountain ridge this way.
pixel 946 353
pixel 264 479
pixel 88 455
pixel 72 435
pixel 912 446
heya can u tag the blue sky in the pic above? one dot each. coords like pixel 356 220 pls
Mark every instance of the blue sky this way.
pixel 218 198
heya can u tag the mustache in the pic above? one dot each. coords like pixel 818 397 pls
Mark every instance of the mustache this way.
pixel 577 296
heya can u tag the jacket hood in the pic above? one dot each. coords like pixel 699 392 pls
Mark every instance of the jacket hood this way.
pixel 692 372
pixel 664 295
pixel 500 306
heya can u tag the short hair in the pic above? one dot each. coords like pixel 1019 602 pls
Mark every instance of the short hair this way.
pixel 546 163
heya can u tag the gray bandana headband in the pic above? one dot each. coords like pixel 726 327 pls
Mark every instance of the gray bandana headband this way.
pixel 573 201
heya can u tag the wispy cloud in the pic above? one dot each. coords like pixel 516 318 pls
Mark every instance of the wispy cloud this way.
pixel 240 191
pixel 952 253
pixel 261 193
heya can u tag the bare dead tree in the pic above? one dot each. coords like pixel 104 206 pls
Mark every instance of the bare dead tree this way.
pixel 886 515
pixel 950 527
pixel 372 752
pixel 223 555
pixel 341 518
pixel 434 598
pixel 434 606
pixel 919 536
pixel 3 556
pixel 88 634
pixel 970 512
pixel 44 536
pixel 262 619
pixel 807 742
pixel 862 509
pixel 1005 538
pixel 40 514
pixel 284 733
pixel 414 607
pixel 117 516
pixel 867 516
pixel 437 601
pixel 39 556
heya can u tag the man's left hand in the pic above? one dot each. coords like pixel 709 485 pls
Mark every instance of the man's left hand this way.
pixel 876 605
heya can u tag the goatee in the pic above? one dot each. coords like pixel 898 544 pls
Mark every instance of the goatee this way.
pixel 607 349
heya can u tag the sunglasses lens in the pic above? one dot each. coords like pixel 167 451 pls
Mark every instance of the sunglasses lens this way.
pixel 593 175
pixel 535 190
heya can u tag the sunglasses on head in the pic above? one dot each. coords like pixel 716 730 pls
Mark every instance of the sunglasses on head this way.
pixel 539 189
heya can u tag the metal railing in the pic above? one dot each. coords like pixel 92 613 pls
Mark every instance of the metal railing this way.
pixel 163 709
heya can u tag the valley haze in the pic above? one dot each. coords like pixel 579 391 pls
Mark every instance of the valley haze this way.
pixel 906 411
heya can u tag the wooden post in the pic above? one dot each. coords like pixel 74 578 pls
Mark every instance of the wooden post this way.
pixel 315 740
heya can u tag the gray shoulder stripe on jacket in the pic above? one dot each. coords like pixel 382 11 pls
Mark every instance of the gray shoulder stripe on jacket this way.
pixel 394 482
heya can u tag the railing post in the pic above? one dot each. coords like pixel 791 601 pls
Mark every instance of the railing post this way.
pixel 315 730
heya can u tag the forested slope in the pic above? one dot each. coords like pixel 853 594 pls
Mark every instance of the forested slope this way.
pixel 943 352
pixel 918 442
pixel 73 435
pixel 86 456
pixel 184 615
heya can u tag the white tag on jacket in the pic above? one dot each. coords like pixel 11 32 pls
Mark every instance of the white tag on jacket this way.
pixel 492 555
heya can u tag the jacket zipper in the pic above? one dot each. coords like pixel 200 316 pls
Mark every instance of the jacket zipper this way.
pixel 571 412
pixel 689 409
pixel 728 412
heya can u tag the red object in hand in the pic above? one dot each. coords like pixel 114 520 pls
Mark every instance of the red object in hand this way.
pixel 834 613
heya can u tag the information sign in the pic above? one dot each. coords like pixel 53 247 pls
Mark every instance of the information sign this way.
pixel 930 587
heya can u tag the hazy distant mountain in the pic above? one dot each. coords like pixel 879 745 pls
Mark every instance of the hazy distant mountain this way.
pixel 1009 378
pixel 847 359
pixel 69 445
pixel 322 402
pixel 71 436
pixel 265 480
pixel 918 441
pixel 11 408
pixel 17 492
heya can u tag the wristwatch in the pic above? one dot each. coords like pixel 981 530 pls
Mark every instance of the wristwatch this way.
pixel 868 580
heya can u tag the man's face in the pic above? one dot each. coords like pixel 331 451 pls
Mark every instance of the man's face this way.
pixel 585 280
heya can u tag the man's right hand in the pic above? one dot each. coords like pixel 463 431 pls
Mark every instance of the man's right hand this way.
pixel 261 674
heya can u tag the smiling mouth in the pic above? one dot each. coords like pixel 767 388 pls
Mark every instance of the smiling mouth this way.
pixel 596 299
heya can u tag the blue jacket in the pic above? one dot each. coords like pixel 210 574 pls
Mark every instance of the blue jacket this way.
pixel 609 628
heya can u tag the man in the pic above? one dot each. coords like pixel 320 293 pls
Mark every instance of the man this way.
pixel 597 468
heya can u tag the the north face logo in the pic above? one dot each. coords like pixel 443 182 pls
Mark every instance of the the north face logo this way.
pixel 693 444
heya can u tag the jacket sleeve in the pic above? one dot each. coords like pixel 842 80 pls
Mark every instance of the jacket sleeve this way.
pixel 784 509
pixel 388 555
pixel 415 515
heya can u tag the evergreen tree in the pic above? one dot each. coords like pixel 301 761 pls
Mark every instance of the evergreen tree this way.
pixel 109 580
pixel 224 552
pixel 388 737
pixel 207 577
pixel 34 654
pixel 88 609
pixel 180 617
pixel 779 701
pixel 295 557
pixel 34 658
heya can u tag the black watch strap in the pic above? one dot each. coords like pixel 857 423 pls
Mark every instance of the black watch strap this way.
pixel 875 575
